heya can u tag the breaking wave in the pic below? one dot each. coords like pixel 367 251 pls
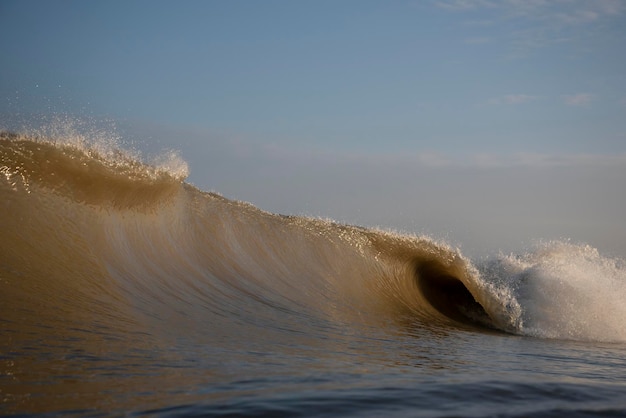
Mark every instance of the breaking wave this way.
pixel 93 237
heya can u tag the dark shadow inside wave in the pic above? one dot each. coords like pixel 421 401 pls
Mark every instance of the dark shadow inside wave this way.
pixel 448 295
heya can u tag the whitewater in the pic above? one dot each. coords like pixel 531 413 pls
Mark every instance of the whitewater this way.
pixel 125 290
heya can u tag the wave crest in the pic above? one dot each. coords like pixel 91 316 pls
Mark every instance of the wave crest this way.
pixel 84 173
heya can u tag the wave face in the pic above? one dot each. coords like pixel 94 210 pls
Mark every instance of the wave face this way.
pixel 97 246
pixel 107 226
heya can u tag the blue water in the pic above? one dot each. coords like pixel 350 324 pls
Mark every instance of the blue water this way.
pixel 458 375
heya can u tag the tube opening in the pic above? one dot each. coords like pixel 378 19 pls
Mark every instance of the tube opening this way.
pixel 448 295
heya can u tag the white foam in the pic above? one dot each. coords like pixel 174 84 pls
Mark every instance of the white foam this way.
pixel 564 290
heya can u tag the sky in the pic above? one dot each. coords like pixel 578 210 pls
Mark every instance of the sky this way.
pixel 487 123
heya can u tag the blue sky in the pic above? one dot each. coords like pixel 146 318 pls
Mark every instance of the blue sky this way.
pixel 261 97
pixel 380 76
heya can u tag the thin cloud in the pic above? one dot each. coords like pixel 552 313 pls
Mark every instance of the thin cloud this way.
pixel 570 12
pixel 539 23
pixel 463 5
pixel 512 99
pixel 438 160
pixel 540 160
pixel 578 17
pixel 580 99
pixel 477 41
pixel 610 7
pixel 431 159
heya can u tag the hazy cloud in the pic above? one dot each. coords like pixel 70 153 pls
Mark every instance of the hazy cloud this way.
pixel 567 11
pixel 477 41
pixel 538 23
pixel 610 7
pixel 462 5
pixel 578 17
pixel 512 99
pixel 580 99
pixel 541 160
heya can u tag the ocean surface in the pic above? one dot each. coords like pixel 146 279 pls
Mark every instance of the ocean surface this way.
pixel 126 291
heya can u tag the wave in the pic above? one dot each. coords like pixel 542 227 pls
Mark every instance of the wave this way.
pixel 99 237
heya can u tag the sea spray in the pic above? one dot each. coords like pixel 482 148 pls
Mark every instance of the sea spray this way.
pixel 564 290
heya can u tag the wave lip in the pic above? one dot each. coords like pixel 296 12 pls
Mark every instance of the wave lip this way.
pixel 83 173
